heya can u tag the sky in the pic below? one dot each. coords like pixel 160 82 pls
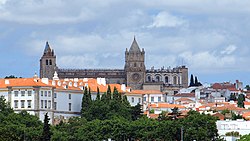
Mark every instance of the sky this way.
pixel 210 37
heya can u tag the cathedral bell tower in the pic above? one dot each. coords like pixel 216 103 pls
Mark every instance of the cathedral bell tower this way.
pixel 47 63
pixel 134 66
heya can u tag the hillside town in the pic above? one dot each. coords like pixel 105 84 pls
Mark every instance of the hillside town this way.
pixel 161 93
pixel 62 98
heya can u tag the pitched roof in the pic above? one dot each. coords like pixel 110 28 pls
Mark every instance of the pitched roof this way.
pixel 225 85
pixel 165 105
pixel 134 47
pixel 185 95
pixel 22 82
pixel 145 92
pixel 184 99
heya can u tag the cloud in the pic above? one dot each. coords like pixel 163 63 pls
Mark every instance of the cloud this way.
pixel 74 61
pixel 164 19
pixel 229 50
pixel 209 61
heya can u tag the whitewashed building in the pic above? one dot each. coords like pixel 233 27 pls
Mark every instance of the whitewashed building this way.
pixel 61 99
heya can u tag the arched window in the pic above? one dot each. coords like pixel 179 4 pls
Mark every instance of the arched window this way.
pixel 158 79
pixel 149 78
pixel 47 62
pixel 175 79
pixel 134 64
pixel 50 62
pixel 166 79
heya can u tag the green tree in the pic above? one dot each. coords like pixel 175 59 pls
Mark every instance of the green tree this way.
pixel 115 94
pixel 136 111
pixel 98 97
pixel 247 87
pixel 5 107
pixel 232 97
pixel 241 99
pixel 245 138
pixel 46 135
pixel 109 96
pixel 86 102
pixel 10 77
pixel 191 81
pixel 200 127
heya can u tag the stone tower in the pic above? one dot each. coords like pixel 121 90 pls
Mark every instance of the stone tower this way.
pixel 134 66
pixel 47 63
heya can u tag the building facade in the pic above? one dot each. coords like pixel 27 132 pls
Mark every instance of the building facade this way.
pixel 134 74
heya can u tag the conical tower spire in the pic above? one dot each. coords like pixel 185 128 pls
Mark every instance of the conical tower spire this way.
pixel 47 48
pixel 134 47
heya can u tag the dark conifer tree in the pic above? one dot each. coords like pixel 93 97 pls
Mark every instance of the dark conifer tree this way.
pixel 125 101
pixel 191 81
pixel 115 94
pixel 85 102
pixel 104 98
pixel 98 98
pixel 109 93
pixel 196 82
pixel 46 135
pixel 136 111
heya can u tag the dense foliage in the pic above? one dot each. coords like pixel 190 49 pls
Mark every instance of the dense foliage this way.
pixel 240 101
pixel 18 127
pixel 109 116
pixel 244 138
pixel 108 106
pixel 195 127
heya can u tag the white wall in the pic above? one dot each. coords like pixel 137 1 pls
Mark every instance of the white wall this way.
pixel 62 100
pixel 137 99
pixel 243 127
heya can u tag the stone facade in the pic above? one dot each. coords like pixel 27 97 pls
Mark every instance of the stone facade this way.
pixel 134 73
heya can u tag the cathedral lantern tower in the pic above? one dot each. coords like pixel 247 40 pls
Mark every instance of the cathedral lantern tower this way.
pixel 134 66
pixel 47 63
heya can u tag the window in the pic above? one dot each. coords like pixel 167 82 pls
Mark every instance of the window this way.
pixel 152 99
pixel 49 104
pixel 175 80
pixel 41 93
pixel 144 98
pixel 158 78
pixel 45 104
pixel 16 93
pixel 149 78
pixel 159 99
pixel 22 93
pixel 16 103
pixel 29 93
pixel 133 100
pixel 55 95
pixel 45 93
pixel 50 62
pixel 49 93
pixel 47 62
pixel 22 103
pixel 29 103
pixel 139 100
pixel 69 106
pixel 69 96
pixel 41 103
pixel 166 79
pixel 55 104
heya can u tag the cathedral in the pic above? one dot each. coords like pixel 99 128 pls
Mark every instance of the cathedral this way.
pixel 134 74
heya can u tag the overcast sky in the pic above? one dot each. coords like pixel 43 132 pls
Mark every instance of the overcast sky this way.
pixel 210 37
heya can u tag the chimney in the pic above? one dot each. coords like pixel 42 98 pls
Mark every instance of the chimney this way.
pixel 7 82
pixel 45 80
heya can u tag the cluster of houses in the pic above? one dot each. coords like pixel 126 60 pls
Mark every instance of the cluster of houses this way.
pixel 61 99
